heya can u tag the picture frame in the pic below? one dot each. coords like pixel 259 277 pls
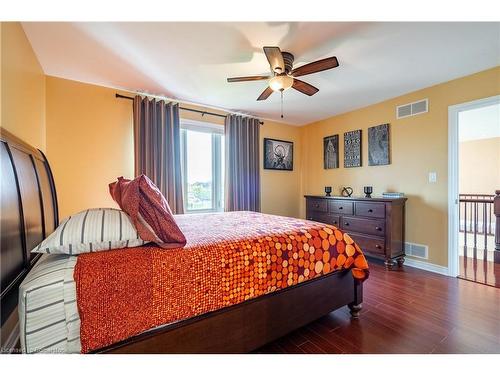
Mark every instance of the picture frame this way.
pixel 379 145
pixel 331 152
pixel 278 154
pixel 352 149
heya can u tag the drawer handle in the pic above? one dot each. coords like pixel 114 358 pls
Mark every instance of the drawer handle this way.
pixel 370 210
pixel 317 205
pixel 346 223
pixel 378 228
pixel 341 208
pixel 378 246
pixel 334 221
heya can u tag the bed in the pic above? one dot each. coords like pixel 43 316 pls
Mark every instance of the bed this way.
pixel 45 285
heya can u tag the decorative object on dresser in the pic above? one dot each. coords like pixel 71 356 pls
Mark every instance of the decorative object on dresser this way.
pixel 368 191
pixel 378 145
pixel 386 194
pixel 346 191
pixel 278 154
pixel 376 224
pixel 352 149
pixel 328 191
pixel 331 152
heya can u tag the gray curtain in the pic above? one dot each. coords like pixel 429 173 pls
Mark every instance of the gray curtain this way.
pixel 242 164
pixel 157 147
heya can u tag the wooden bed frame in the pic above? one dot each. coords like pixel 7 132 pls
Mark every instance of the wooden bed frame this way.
pixel 29 213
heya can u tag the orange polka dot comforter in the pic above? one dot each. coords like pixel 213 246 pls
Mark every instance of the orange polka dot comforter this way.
pixel 229 258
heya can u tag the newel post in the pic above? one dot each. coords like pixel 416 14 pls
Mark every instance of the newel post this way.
pixel 496 211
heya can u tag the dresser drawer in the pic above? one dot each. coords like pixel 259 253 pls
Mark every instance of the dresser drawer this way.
pixel 369 244
pixel 368 226
pixel 341 207
pixel 377 225
pixel 324 218
pixel 369 209
pixel 318 205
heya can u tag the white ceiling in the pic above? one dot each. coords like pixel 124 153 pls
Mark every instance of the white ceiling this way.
pixel 190 61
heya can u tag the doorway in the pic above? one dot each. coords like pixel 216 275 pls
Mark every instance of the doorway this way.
pixel 474 176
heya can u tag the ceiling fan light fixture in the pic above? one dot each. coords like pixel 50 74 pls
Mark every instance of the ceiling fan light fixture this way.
pixel 284 76
pixel 281 82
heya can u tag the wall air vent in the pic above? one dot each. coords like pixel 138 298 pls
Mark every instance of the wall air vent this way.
pixel 412 109
pixel 417 250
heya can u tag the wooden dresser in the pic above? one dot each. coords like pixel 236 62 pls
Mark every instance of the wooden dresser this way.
pixel 376 224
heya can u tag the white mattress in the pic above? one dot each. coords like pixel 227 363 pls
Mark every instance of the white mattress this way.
pixel 48 313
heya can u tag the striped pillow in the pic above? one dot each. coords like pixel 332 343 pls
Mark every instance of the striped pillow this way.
pixel 95 229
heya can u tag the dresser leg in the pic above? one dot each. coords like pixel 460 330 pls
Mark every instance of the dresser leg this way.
pixel 355 309
pixel 400 261
pixel 389 263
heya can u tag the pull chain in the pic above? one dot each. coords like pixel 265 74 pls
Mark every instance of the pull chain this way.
pixel 281 103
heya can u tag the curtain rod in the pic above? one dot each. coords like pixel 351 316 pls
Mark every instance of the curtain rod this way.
pixel 183 108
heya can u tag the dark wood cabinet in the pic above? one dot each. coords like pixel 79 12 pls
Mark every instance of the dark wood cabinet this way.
pixel 376 224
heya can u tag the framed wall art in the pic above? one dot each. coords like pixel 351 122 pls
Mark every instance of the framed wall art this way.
pixel 352 149
pixel 331 152
pixel 278 154
pixel 378 145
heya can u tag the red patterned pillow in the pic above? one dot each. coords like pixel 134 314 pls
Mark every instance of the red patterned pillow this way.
pixel 149 210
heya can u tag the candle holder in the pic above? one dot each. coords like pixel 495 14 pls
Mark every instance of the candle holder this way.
pixel 328 190
pixel 368 191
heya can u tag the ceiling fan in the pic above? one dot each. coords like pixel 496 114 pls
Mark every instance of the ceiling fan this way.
pixel 283 76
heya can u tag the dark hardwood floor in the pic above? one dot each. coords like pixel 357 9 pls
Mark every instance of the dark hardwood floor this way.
pixel 406 310
pixel 479 270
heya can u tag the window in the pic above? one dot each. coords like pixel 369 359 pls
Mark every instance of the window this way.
pixel 202 150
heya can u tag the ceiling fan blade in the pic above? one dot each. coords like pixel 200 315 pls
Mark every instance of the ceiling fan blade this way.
pixel 265 94
pixel 249 78
pixel 317 66
pixel 304 87
pixel 275 58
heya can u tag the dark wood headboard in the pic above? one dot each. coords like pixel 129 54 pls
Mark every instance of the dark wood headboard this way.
pixel 28 214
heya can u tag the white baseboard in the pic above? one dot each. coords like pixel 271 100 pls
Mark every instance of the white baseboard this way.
pixel 431 267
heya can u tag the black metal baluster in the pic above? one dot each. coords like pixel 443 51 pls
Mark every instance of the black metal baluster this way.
pixel 459 214
pixel 484 227
pixel 475 228
pixel 465 230
pixel 489 221
pixel 479 214
pixel 471 214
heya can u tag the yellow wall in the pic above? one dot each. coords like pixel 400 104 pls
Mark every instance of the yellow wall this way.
pixel 22 86
pixel 90 143
pixel 87 134
pixel 479 166
pixel 280 189
pixel 418 145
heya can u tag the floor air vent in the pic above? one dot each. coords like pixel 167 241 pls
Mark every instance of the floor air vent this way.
pixel 412 109
pixel 417 250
